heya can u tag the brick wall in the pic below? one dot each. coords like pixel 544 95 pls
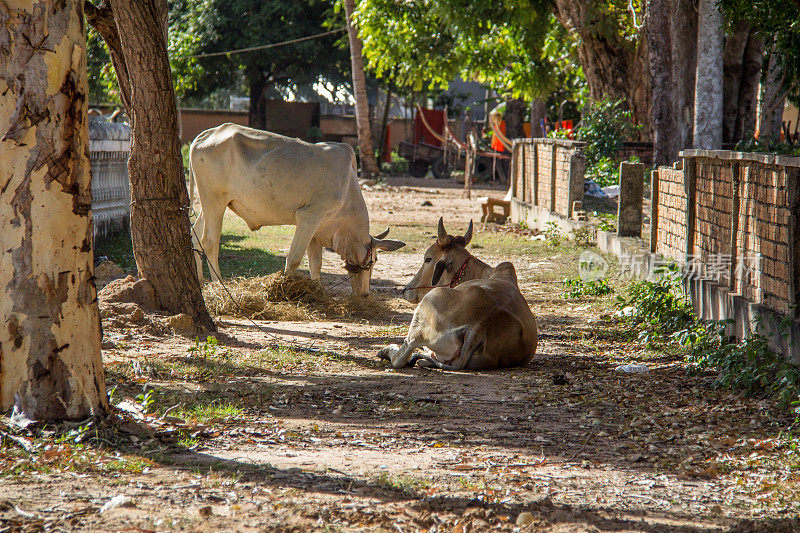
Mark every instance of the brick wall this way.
pixel 671 241
pixel 731 215
pixel 544 166
pixel 713 212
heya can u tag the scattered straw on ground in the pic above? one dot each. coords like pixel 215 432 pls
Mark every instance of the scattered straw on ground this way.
pixel 281 297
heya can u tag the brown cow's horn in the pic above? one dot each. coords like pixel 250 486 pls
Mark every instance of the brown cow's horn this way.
pixel 382 235
pixel 468 234
pixel 442 232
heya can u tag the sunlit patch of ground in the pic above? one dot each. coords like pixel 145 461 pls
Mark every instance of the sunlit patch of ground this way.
pixel 298 426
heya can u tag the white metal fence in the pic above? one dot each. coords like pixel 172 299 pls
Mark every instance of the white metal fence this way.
pixel 109 148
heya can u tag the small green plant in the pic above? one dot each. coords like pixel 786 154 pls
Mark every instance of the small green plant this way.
pixel 607 222
pixel 559 134
pixel 146 399
pixel 397 167
pixel 750 365
pixel 578 288
pixel 207 349
pixel 657 308
pixel 552 233
pixel 605 126
pixel 112 395
pixel 604 172
pixel 583 236
pixel 661 311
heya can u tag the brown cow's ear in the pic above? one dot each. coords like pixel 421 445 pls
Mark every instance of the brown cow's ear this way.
pixel 468 234
pixel 443 236
pixel 438 270
pixel 388 245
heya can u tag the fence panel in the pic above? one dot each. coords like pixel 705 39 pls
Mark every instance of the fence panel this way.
pixel 549 173
pixel 739 229
pixel 109 149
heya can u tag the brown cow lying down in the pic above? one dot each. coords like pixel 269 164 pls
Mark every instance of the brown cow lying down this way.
pixel 472 316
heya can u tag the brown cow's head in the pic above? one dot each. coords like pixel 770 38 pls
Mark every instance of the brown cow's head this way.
pixel 361 272
pixel 441 264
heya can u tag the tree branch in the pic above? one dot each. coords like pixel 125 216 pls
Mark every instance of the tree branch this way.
pixel 101 17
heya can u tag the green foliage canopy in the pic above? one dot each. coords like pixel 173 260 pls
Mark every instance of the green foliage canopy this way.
pixel 428 43
pixel 207 26
pixel 778 21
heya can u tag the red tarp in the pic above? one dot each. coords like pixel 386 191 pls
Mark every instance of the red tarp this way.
pixel 435 119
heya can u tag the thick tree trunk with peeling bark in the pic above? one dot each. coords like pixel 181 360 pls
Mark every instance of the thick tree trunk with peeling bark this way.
pixel 709 77
pixel 733 71
pixel 615 69
pixel 659 44
pixel 50 364
pixel 748 90
pixel 515 118
pixel 683 30
pixel 369 167
pixel 135 32
pixel 538 113
pixel 771 100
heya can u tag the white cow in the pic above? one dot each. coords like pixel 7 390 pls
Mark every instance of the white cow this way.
pixel 268 179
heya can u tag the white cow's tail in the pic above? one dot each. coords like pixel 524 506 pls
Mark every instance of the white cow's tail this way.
pixel 355 165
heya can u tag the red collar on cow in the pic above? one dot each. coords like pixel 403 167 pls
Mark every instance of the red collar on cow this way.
pixel 366 265
pixel 457 278
pixel 455 281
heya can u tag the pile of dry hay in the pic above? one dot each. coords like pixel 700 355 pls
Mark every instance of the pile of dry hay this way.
pixel 281 297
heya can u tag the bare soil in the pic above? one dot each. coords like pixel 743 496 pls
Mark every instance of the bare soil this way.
pixel 320 435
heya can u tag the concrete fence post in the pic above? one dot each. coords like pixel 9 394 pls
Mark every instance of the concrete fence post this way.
pixel 535 185
pixel 577 171
pixel 736 180
pixel 793 234
pixel 515 170
pixel 553 176
pixel 629 213
pixel 690 188
pixel 653 211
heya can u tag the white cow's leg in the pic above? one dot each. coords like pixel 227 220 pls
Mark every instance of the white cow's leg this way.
pixel 307 224
pixel 314 259
pixel 197 230
pixel 212 230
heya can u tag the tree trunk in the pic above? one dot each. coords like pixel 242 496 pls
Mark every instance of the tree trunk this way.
pixel 733 71
pixel 160 227
pixel 772 97
pixel 369 167
pixel 50 336
pixel 748 92
pixel 615 69
pixel 708 80
pixel 385 124
pixel 538 114
pixel 659 44
pixel 515 118
pixel 257 109
pixel 683 30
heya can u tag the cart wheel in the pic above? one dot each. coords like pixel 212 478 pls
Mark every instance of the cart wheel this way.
pixel 440 169
pixel 418 168
pixel 483 168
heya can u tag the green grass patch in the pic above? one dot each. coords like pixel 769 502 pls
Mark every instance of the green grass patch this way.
pixel 215 411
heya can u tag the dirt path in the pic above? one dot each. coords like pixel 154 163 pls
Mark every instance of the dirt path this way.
pixel 335 440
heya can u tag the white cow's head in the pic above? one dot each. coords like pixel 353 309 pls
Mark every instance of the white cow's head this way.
pixel 360 267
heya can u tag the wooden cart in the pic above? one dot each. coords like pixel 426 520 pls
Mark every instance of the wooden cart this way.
pixel 434 146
